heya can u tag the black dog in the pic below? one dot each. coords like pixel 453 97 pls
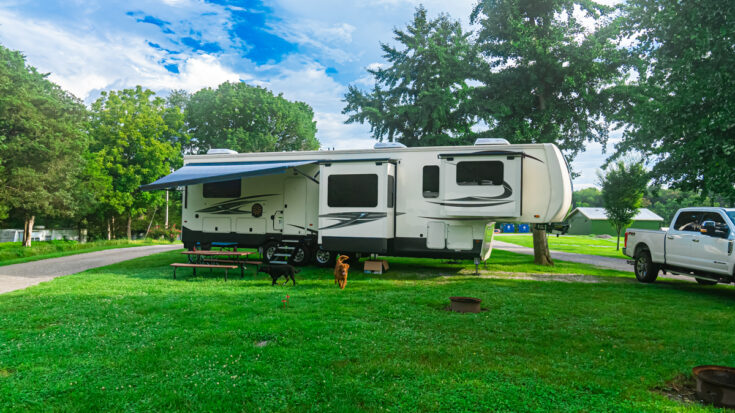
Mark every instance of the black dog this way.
pixel 278 271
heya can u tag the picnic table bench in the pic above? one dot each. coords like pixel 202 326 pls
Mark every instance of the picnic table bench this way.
pixel 210 266
pixel 226 260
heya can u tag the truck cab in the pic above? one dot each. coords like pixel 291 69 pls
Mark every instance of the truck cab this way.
pixel 699 243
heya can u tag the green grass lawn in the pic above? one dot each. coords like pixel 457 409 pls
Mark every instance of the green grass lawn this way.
pixel 15 253
pixel 130 338
pixel 581 244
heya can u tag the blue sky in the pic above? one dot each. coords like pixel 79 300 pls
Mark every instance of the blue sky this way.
pixel 306 50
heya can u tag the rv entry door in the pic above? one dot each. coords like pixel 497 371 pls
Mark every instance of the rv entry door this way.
pixel 356 206
pixel 482 185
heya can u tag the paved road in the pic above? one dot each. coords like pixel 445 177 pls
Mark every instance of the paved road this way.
pixel 602 262
pixel 19 276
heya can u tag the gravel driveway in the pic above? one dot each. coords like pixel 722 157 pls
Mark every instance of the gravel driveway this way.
pixel 600 262
pixel 19 276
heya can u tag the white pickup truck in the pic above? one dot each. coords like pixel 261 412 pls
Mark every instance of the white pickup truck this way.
pixel 699 243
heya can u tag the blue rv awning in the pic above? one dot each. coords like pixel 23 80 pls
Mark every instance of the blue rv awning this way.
pixel 198 173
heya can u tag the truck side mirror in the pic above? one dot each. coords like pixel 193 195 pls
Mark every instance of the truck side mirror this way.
pixel 708 228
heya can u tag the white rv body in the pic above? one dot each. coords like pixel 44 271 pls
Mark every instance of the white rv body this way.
pixel 383 201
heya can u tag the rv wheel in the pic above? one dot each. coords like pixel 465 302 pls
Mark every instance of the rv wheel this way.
pixel 268 249
pixel 300 255
pixel 323 258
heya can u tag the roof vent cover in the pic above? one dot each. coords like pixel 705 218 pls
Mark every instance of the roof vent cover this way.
pixel 491 141
pixel 389 145
pixel 215 151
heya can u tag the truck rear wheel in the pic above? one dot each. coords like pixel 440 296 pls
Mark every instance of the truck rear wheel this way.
pixel 645 270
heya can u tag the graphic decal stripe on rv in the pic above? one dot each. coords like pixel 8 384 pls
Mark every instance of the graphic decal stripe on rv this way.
pixel 507 192
pixel 347 219
pixel 460 204
pixel 233 206
pixel 306 229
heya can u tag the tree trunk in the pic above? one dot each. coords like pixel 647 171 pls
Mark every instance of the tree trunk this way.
pixel 151 223
pixel 541 254
pixel 28 230
pixel 618 247
pixel 113 227
pixel 109 230
pixel 130 226
pixel 165 221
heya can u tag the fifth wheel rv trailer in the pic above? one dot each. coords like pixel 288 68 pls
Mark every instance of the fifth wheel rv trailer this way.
pixel 390 200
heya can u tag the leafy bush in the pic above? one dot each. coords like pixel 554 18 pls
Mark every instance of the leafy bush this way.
pixel 159 232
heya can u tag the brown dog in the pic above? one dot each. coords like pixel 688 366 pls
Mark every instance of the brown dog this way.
pixel 340 271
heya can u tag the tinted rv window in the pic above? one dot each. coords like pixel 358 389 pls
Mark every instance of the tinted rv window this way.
pixel 391 190
pixel 227 189
pixel 431 181
pixel 480 173
pixel 353 191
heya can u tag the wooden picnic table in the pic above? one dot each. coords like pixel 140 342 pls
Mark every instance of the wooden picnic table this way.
pixel 215 259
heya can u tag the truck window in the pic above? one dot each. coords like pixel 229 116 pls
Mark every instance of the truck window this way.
pixel 688 221
pixel 731 214
pixel 431 181
pixel 720 224
pixel 480 173
pixel 353 191
pixel 227 189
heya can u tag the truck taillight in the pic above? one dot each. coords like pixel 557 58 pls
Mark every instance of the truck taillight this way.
pixel 626 240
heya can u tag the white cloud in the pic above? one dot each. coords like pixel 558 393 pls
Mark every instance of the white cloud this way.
pixel 84 63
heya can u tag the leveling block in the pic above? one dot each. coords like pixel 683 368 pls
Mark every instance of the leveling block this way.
pixel 376 267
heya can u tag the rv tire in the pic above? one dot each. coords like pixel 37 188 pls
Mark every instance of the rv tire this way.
pixel 268 249
pixel 301 256
pixel 324 258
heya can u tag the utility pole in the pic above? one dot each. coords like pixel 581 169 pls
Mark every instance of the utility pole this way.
pixel 165 221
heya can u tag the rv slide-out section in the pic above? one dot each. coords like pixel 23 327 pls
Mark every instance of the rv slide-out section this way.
pixel 433 201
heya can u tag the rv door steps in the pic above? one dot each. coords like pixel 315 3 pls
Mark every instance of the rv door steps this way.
pixel 284 251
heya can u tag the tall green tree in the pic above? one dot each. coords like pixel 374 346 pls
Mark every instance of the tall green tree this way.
pixel 134 134
pixel 682 116
pixel 247 118
pixel 421 97
pixel 623 186
pixel 41 143
pixel 545 77
pixel 587 197
pixel 666 201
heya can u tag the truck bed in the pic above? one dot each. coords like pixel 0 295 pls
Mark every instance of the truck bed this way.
pixel 653 239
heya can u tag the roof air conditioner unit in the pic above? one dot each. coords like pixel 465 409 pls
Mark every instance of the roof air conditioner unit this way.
pixel 215 151
pixel 389 145
pixel 491 141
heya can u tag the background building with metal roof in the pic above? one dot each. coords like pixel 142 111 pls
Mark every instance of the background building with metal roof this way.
pixel 584 221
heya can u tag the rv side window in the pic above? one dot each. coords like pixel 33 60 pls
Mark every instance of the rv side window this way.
pixel 480 173
pixel 353 191
pixel 391 190
pixel 227 189
pixel 431 181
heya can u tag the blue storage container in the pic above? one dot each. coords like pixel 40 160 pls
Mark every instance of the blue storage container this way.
pixel 524 228
pixel 509 228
